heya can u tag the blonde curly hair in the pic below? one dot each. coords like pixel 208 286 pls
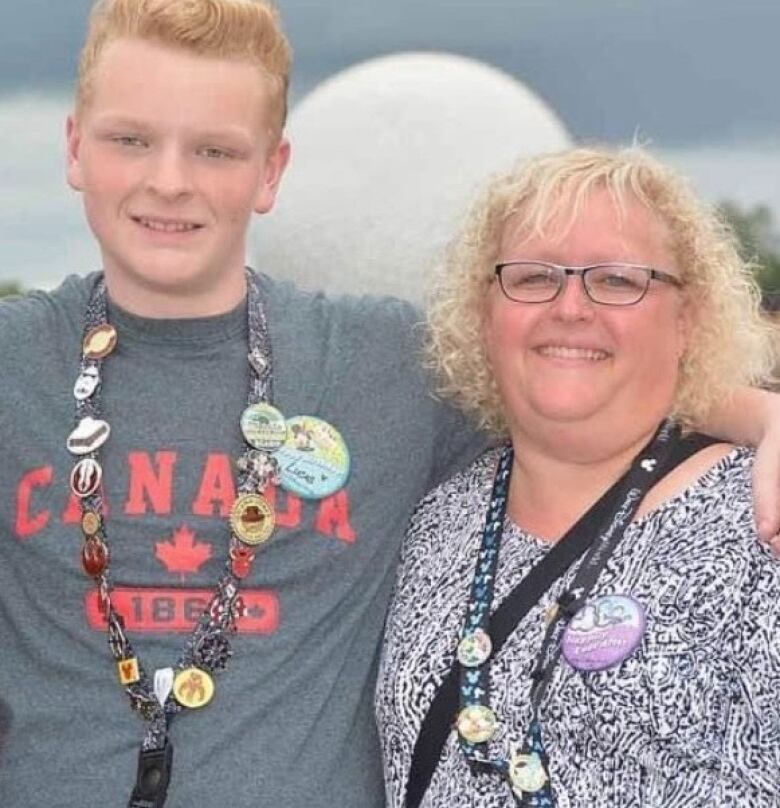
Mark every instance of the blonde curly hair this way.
pixel 731 343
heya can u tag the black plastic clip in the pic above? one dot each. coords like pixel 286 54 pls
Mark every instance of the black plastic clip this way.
pixel 154 773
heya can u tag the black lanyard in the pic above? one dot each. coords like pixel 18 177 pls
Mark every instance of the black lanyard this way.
pixel 597 533
pixel 208 648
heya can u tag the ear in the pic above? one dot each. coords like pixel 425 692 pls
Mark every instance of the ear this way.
pixel 275 164
pixel 73 167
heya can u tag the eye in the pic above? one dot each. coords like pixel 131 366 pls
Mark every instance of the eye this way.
pixel 215 153
pixel 617 278
pixel 528 276
pixel 131 141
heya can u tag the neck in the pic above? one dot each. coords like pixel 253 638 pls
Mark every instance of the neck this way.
pixel 177 301
pixel 550 490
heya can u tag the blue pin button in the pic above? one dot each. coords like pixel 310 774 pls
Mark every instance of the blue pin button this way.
pixel 314 460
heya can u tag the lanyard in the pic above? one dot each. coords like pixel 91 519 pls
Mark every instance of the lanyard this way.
pixel 437 723
pixel 599 536
pixel 160 698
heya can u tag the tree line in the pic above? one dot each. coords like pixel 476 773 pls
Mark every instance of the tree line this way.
pixel 754 227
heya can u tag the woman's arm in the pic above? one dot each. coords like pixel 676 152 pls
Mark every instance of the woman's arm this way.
pixel 752 416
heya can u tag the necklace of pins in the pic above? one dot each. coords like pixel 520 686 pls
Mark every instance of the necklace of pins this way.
pixel 304 455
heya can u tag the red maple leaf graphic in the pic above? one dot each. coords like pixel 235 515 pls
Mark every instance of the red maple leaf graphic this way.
pixel 181 553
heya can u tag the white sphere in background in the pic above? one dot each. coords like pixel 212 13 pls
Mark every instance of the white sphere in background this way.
pixel 386 157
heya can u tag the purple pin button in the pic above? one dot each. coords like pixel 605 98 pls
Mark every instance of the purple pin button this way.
pixel 604 632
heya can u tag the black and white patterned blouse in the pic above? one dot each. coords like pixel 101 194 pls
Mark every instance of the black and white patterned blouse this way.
pixel 691 718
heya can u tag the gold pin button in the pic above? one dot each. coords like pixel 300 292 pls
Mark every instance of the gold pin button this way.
pixel 193 688
pixel 100 341
pixel 252 519
pixel 90 523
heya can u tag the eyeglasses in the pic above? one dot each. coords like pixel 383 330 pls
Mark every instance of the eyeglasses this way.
pixel 609 284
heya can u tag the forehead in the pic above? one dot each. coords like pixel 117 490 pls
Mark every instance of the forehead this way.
pixel 144 79
pixel 598 226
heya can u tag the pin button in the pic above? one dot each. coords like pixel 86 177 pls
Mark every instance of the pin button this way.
pixel 100 341
pixel 527 774
pixel 474 648
pixel 252 519
pixel 477 723
pixel 193 688
pixel 94 557
pixel 85 477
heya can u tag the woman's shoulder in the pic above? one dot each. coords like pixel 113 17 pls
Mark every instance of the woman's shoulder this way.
pixel 709 520
pixel 453 508
pixel 719 471
pixel 469 486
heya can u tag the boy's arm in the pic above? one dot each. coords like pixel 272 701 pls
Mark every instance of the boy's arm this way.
pixel 752 416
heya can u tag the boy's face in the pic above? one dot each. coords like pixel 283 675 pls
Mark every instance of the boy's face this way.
pixel 173 152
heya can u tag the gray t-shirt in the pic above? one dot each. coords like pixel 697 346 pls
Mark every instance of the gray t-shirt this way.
pixel 291 723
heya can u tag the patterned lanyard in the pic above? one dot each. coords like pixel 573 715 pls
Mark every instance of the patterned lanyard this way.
pixel 528 772
pixel 207 651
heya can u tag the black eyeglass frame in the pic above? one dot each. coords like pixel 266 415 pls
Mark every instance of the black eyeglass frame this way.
pixel 564 271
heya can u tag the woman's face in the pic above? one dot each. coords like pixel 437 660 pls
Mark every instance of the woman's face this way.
pixel 573 361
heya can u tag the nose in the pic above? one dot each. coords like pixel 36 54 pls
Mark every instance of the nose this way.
pixel 572 302
pixel 168 175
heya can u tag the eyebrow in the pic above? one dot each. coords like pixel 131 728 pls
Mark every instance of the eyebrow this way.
pixel 109 121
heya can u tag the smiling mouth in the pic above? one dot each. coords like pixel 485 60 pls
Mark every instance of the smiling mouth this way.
pixel 166 225
pixel 582 354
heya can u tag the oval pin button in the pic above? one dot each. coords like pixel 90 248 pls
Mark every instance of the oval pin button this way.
pixel 87 383
pixel 85 477
pixel 94 557
pixel 90 523
pixel 100 341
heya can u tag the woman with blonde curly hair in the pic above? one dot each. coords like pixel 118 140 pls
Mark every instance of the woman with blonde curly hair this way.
pixel 584 616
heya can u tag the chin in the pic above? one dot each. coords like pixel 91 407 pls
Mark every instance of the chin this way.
pixel 567 406
pixel 168 276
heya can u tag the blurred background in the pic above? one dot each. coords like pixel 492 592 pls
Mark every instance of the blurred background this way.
pixel 694 80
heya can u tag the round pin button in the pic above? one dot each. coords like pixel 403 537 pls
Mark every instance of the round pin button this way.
pixel 252 519
pixel 90 523
pixel 89 435
pixel 85 477
pixel 477 723
pixel 604 632
pixel 263 427
pixel 527 774
pixel 474 648
pixel 314 461
pixel 193 688
pixel 100 341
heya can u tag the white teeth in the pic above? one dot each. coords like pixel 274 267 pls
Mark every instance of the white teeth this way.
pixel 167 227
pixel 559 352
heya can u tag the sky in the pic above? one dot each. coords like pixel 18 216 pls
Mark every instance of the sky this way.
pixel 695 80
